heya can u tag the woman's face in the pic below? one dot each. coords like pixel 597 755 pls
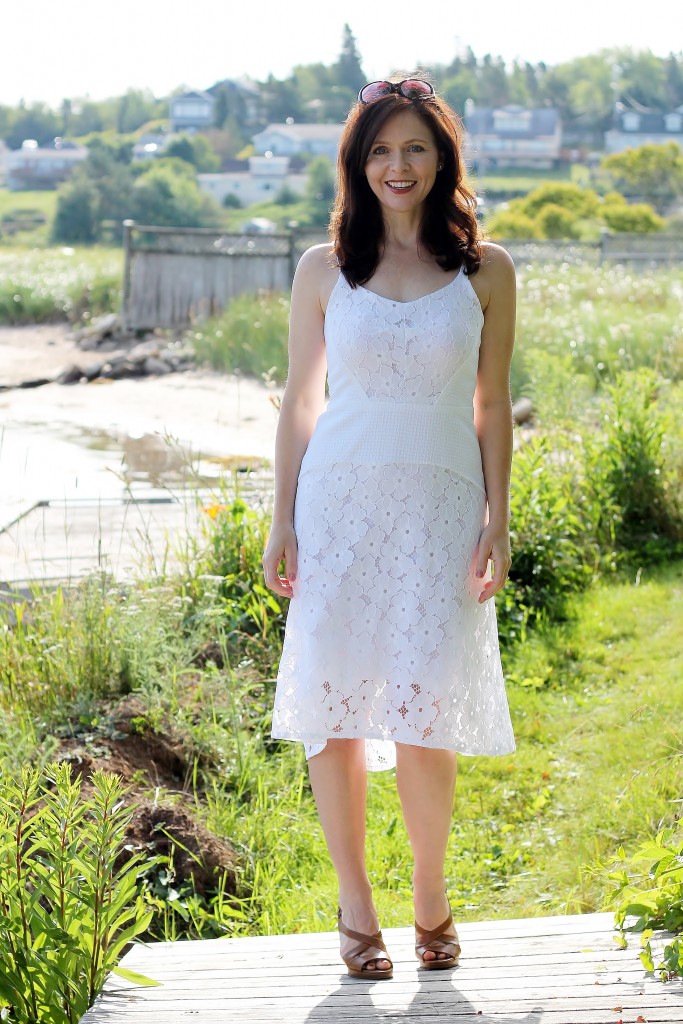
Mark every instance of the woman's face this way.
pixel 402 164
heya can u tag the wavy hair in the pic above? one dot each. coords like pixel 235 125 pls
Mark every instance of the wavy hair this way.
pixel 449 228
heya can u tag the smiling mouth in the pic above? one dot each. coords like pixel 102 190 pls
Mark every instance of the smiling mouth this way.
pixel 400 186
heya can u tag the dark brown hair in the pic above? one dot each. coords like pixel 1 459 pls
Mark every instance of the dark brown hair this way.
pixel 449 228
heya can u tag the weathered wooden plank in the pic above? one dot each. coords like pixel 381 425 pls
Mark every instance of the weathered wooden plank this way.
pixel 500 974
pixel 561 970
pixel 414 1015
pixel 329 951
pixel 565 924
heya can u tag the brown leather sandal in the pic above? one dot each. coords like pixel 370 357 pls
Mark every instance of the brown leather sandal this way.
pixel 355 961
pixel 437 941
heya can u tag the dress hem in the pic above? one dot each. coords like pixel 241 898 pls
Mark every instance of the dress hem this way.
pixel 316 740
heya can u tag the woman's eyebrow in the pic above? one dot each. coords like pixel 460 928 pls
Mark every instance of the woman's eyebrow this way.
pixel 382 142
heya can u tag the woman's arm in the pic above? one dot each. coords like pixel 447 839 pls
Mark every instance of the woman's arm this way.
pixel 302 402
pixel 493 413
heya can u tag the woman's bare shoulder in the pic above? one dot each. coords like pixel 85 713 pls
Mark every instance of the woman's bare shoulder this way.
pixel 318 270
pixel 318 260
pixel 496 259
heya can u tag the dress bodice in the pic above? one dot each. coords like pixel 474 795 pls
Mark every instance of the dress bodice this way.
pixel 401 378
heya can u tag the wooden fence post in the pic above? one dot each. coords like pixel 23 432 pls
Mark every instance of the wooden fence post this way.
pixel 128 226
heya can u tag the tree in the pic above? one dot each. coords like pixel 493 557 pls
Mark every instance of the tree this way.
pixel 633 217
pixel 673 81
pixel 493 83
pixel 320 189
pixel 135 108
pixel 195 150
pixel 163 197
pixel 348 70
pixel 37 122
pixel 652 171
pixel 580 202
pixel 77 218
pixel 459 88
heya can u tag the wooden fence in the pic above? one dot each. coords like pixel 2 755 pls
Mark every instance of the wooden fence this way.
pixel 175 276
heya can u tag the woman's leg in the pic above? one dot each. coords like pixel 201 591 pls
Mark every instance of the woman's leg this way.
pixel 425 779
pixel 339 782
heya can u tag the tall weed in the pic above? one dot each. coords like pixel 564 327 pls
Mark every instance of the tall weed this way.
pixel 249 336
pixel 628 473
pixel 69 906
pixel 648 885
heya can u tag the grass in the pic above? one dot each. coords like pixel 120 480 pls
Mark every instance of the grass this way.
pixel 591 321
pixel 592 698
pixel 45 201
pixel 67 283
pixel 526 825
pixel 601 319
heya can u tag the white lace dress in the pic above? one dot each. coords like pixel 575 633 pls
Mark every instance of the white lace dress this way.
pixel 385 639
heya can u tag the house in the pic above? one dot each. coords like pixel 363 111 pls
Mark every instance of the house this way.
pixel 245 95
pixel 42 167
pixel 299 140
pixel 4 150
pixel 256 180
pixel 633 127
pixel 191 111
pixel 512 136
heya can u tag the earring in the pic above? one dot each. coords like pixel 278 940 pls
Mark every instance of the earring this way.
pixel 439 167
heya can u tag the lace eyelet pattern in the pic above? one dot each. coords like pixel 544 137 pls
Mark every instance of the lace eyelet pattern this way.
pixel 385 638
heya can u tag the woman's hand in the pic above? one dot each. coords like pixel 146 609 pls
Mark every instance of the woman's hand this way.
pixel 494 543
pixel 281 544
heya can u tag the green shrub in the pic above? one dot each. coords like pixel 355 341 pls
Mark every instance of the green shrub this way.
pixel 556 222
pixel 553 553
pixel 648 885
pixel 235 537
pixel 91 641
pixel 580 202
pixel 250 335
pixel 512 224
pixel 637 217
pixel 627 472
pixel 69 906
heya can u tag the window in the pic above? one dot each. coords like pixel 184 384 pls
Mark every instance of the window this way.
pixel 673 122
pixel 511 120
pixel 190 109
pixel 631 121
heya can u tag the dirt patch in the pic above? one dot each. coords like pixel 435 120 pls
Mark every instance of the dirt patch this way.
pixel 203 857
pixel 146 761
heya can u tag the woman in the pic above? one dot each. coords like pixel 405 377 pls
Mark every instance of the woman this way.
pixel 391 502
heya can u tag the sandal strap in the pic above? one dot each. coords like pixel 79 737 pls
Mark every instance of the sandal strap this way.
pixel 435 933
pixel 365 942
pixel 436 936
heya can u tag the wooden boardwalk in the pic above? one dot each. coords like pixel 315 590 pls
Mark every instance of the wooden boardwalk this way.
pixel 57 541
pixel 542 970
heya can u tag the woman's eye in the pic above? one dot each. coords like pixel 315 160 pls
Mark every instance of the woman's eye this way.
pixel 418 147
pixel 379 150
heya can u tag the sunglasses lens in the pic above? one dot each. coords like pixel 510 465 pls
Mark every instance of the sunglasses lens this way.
pixel 413 88
pixel 374 90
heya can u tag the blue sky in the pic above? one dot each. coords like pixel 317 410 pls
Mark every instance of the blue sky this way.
pixel 56 48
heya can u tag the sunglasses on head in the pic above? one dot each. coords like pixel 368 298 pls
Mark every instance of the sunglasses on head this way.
pixel 411 88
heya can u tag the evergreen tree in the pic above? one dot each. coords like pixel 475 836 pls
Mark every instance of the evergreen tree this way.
pixel 349 72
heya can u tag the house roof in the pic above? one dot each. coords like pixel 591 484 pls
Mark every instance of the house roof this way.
pixel 243 85
pixel 304 131
pixel 542 121
pixel 649 120
pixel 194 93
